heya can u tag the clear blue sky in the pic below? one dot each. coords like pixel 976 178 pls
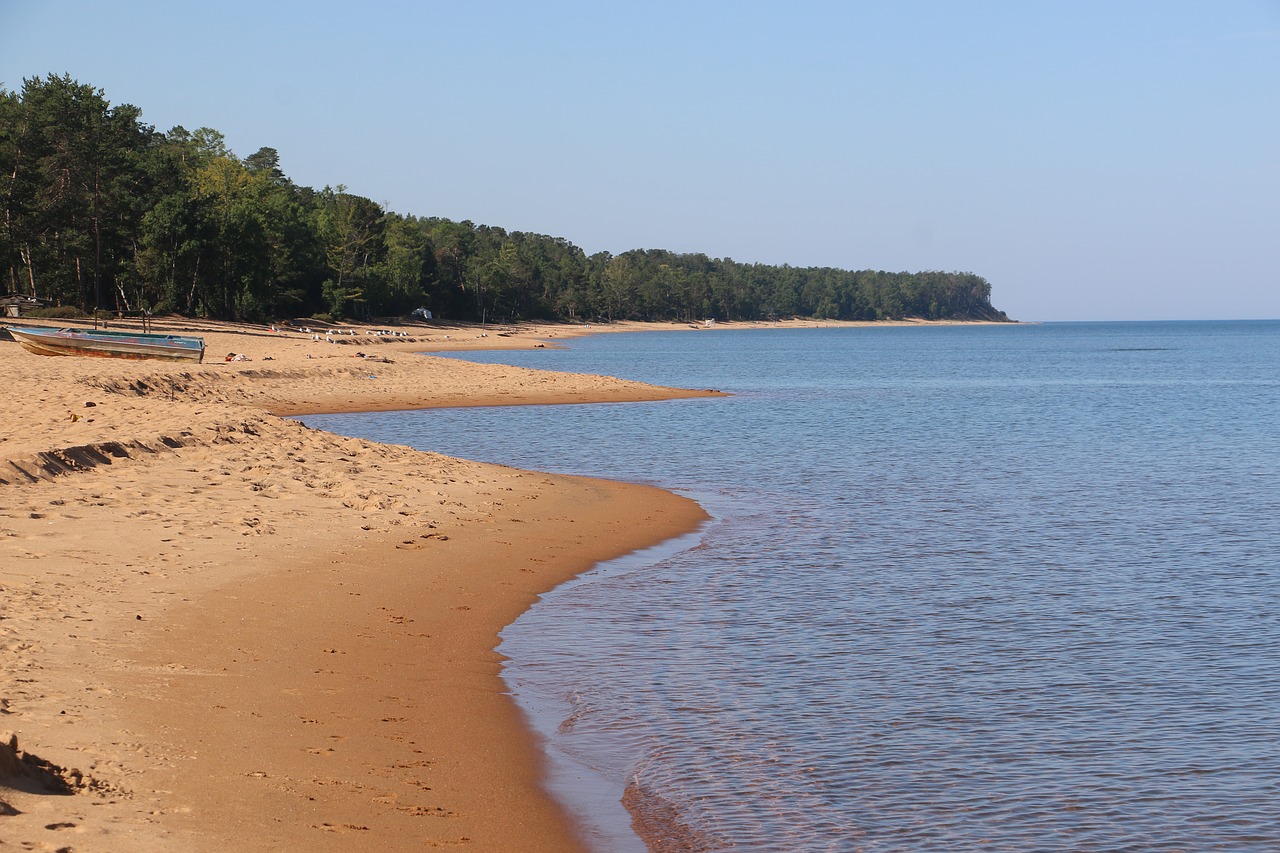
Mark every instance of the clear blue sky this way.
pixel 1093 160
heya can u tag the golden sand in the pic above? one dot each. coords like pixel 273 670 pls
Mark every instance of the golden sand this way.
pixel 223 630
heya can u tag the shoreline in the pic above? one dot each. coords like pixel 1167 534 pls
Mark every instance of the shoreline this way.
pixel 202 601
pixel 221 626
pixel 424 748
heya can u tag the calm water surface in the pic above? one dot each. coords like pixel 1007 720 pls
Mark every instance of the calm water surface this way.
pixel 966 588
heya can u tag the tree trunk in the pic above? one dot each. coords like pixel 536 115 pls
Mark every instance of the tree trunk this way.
pixel 25 254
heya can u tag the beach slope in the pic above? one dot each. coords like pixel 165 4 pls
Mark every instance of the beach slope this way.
pixel 224 630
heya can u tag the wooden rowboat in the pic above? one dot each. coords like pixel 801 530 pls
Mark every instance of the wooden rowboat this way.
pixel 108 344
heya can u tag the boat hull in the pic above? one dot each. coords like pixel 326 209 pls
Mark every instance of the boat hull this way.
pixel 109 344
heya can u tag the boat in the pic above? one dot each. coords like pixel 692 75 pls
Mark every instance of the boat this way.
pixel 99 342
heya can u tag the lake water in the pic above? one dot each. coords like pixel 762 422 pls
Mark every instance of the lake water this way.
pixel 966 588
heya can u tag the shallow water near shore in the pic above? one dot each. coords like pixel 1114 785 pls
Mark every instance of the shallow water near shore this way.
pixel 966 588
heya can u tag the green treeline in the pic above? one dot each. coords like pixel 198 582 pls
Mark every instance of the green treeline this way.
pixel 99 210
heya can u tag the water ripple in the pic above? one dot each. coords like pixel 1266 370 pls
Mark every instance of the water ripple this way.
pixel 978 590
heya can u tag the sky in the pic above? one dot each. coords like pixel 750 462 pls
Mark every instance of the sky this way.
pixel 1092 160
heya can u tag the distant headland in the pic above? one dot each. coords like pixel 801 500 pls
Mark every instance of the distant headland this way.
pixel 103 212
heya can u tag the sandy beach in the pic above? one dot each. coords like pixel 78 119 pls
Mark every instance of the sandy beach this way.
pixel 224 630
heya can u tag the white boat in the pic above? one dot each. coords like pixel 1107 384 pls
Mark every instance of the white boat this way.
pixel 108 344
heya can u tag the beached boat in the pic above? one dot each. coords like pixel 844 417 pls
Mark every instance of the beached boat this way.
pixel 109 344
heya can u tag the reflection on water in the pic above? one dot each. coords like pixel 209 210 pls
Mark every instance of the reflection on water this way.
pixel 965 589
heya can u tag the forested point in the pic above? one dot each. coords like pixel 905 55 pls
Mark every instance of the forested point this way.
pixel 102 212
